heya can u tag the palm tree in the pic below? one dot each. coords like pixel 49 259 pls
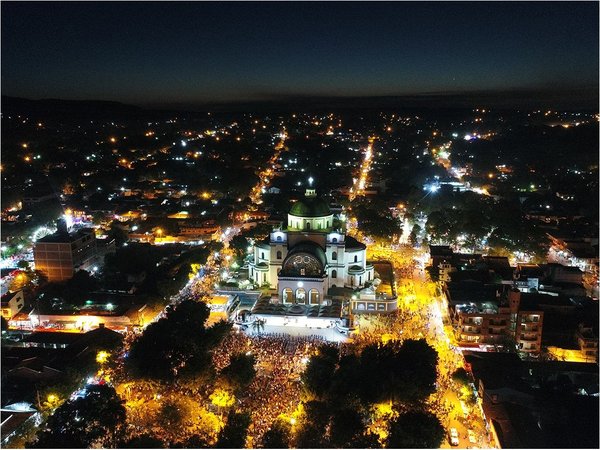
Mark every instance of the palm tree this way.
pixel 256 326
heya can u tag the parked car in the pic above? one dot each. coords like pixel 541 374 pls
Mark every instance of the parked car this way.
pixel 472 438
pixel 454 437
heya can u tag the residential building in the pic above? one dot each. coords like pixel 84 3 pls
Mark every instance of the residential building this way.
pixel 484 324
pixel 587 340
pixel 526 324
pixel 12 303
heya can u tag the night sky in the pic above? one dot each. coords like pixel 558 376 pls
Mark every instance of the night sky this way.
pixel 153 53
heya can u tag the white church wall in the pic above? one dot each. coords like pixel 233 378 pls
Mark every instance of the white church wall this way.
pixel 307 285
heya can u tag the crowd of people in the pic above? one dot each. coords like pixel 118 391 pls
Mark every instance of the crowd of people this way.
pixel 276 389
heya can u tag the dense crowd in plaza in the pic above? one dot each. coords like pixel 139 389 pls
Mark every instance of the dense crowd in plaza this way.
pixel 276 390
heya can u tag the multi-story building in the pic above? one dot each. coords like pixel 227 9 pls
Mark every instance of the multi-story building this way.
pixel 486 324
pixel 483 324
pixel 525 324
pixel 61 254
pixel 12 303
pixel 588 342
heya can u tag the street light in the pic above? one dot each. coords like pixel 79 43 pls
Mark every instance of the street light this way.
pixel 102 356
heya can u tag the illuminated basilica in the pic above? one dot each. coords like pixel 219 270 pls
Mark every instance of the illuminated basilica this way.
pixel 305 260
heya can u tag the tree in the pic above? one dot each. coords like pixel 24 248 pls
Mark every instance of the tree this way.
pixel 143 441
pixel 398 371
pixel 95 420
pixel 222 399
pixel 278 436
pixel 258 325
pixel 233 434
pixel 313 424
pixel 22 264
pixel 319 371
pixel 195 441
pixel 365 440
pixel 461 376
pixel 240 372
pixel 239 244
pixel 346 424
pixel 415 429
pixel 172 414
pixel 117 233
pixel 177 345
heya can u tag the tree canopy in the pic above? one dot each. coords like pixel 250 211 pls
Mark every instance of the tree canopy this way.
pixel 415 429
pixel 278 436
pixel 396 371
pixel 95 420
pixel 240 372
pixel 233 434
pixel 177 345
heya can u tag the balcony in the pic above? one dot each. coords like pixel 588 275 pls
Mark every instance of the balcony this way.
pixel 530 319
pixel 584 344
pixel 528 337
pixel 470 330
pixel 472 322
pixel 495 331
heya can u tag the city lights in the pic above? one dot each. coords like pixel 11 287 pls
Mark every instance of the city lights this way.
pixel 367 271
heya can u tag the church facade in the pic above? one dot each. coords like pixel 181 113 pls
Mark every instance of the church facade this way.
pixel 310 256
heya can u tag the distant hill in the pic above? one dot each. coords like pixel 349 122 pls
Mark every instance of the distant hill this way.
pixel 81 109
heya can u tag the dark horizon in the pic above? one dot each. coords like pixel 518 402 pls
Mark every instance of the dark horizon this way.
pixel 584 98
pixel 200 54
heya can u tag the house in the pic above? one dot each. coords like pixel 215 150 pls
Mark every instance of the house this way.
pixel 12 303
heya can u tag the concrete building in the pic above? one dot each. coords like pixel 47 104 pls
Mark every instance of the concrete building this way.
pixel 485 324
pixel 588 342
pixel 61 254
pixel 526 325
pixel 12 303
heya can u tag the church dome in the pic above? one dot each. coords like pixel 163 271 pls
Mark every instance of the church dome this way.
pixel 304 259
pixel 310 207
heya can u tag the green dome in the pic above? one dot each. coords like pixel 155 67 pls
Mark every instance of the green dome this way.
pixel 310 207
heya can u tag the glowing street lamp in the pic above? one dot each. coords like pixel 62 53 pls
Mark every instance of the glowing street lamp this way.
pixel 102 356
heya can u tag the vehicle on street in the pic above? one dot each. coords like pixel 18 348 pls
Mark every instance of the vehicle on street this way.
pixel 454 437
pixel 472 438
pixel 465 410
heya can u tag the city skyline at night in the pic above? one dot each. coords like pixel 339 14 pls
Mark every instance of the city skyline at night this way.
pixel 300 225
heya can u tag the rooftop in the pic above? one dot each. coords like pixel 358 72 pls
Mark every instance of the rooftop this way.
pixel 65 238
pixel 310 207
